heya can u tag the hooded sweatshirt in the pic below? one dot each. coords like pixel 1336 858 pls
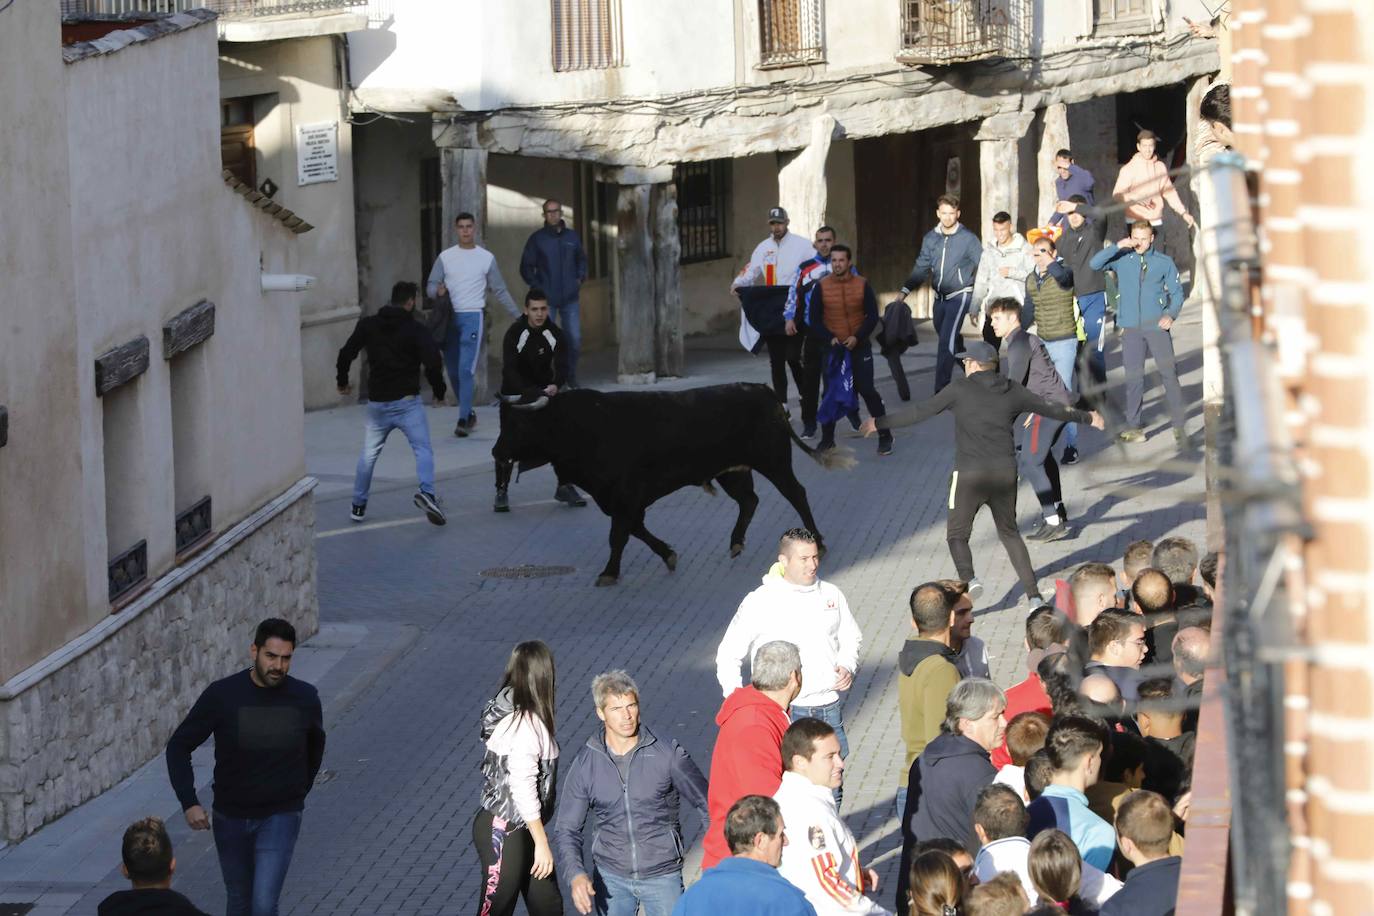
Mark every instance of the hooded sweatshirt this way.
pixel 1144 186
pixel 815 618
pixel 949 774
pixel 147 901
pixel 520 764
pixel 926 674
pixel 1015 255
pixel 397 346
pixel 747 760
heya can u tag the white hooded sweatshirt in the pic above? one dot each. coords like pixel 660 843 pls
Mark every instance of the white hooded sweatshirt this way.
pixel 989 283
pixel 821 857
pixel 815 618
pixel 1012 854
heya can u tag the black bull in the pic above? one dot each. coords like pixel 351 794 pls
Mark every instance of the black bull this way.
pixel 629 449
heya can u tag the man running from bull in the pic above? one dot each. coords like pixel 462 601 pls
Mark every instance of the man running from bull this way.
pixel 986 406
pixel 534 365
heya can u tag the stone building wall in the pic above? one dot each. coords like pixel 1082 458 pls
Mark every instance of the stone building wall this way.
pixel 89 715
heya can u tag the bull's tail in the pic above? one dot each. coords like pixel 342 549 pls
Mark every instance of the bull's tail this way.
pixel 839 458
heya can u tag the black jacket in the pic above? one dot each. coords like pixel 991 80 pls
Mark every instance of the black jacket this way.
pixel 532 359
pixel 148 901
pixel 985 407
pixel 1026 362
pixel 897 330
pixel 1077 247
pixel 397 346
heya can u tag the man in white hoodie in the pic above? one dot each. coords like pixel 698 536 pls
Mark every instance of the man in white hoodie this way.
pixel 1001 272
pixel 793 604
pixel 821 857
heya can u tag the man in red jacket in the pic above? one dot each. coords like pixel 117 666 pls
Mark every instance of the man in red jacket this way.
pixel 748 755
pixel 1044 636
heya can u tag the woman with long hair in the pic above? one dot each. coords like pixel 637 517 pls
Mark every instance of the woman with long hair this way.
pixel 518 773
pixel 1056 871
pixel 937 885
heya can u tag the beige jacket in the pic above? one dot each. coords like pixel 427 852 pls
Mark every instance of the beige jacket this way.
pixel 1143 186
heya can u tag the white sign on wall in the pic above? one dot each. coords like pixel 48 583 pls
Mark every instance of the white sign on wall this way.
pixel 317 152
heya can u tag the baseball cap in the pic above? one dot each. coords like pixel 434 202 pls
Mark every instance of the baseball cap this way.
pixel 980 351
pixel 777 215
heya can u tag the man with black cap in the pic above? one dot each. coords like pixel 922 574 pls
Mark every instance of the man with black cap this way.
pixel 775 263
pixel 986 405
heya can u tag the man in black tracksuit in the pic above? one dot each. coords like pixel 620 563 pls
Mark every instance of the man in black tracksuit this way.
pixel 985 406
pixel 534 365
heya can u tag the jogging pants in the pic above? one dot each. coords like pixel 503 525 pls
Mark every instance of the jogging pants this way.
pixel 949 340
pixel 1037 462
pixel 812 356
pixel 1134 342
pixel 785 353
pixel 507 856
pixel 969 491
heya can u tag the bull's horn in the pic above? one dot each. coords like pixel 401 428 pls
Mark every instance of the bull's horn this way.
pixel 537 404
pixel 510 398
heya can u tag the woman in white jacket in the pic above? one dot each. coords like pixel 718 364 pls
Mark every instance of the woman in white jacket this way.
pixel 518 773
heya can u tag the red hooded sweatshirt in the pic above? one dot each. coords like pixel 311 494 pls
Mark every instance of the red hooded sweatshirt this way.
pixel 747 761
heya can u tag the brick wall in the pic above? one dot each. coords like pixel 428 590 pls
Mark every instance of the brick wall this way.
pixel 1304 111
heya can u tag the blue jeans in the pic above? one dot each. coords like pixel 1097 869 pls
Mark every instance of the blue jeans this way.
pixel 462 346
pixel 569 319
pixel 617 896
pixel 407 415
pixel 1064 353
pixel 1093 308
pixel 254 854
pixel 830 715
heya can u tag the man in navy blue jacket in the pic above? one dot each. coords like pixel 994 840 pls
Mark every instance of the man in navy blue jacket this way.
pixel 554 261
pixel 949 261
pixel 1144 826
pixel 630 780
pixel 747 882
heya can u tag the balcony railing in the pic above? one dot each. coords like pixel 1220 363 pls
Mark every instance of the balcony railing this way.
pixel 791 32
pixel 940 32
pixel 229 9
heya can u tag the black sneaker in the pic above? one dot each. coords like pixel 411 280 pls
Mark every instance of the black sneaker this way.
pixel 567 493
pixel 808 432
pixel 884 442
pixel 472 420
pixel 1070 455
pixel 430 504
pixel 358 513
pixel 853 419
pixel 502 503
pixel 461 430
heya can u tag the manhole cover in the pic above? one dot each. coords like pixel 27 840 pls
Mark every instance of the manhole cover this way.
pixel 526 572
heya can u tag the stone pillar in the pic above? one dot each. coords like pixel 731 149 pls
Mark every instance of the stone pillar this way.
pixel 802 189
pixel 998 166
pixel 1053 137
pixel 463 172
pixel 648 286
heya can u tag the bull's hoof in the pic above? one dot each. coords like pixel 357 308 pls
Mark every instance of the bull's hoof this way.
pixel 736 550
pixel 603 581
pixel 670 561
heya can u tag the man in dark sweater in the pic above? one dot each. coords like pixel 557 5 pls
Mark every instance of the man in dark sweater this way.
pixel 269 742
pixel 1144 826
pixel 397 346
pixel 985 406
pixel 1084 232
pixel 148 863
pixel 534 365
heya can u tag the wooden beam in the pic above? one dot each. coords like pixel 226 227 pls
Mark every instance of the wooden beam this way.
pixel 187 328
pixel 124 363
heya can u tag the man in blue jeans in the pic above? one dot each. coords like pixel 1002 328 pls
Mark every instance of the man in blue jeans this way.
pixel 397 346
pixel 631 781
pixel 269 742
pixel 553 260
pixel 465 273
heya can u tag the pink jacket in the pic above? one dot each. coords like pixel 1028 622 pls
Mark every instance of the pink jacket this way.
pixel 1144 185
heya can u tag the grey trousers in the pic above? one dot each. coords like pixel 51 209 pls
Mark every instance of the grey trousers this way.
pixel 1134 342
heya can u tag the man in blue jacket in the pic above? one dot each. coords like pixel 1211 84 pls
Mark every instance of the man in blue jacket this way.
pixel 631 781
pixel 1150 298
pixel 949 260
pixel 554 261
pixel 747 883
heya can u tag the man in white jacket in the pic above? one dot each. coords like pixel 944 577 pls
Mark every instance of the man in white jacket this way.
pixel 793 604
pixel 821 857
pixel 776 262
pixel 1001 272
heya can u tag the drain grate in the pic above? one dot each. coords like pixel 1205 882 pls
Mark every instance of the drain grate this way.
pixel 526 572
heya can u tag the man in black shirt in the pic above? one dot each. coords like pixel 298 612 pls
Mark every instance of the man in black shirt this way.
pixel 148 863
pixel 269 743
pixel 397 346
pixel 985 406
pixel 534 365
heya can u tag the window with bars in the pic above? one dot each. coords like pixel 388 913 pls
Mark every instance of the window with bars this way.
pixel 586 34
pixel 703 196
pixel 791 32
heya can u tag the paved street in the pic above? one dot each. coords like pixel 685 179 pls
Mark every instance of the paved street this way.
pixel 388 829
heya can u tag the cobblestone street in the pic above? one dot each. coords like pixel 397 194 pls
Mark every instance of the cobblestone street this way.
pixel 388 828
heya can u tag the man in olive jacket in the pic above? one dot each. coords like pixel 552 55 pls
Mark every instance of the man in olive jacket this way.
pixel 927 673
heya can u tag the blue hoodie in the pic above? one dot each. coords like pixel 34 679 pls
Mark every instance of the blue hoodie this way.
pixel 1080 182
pixel 1147 285
pixel 743 887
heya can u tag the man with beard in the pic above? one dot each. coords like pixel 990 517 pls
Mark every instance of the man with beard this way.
pixel 269 743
